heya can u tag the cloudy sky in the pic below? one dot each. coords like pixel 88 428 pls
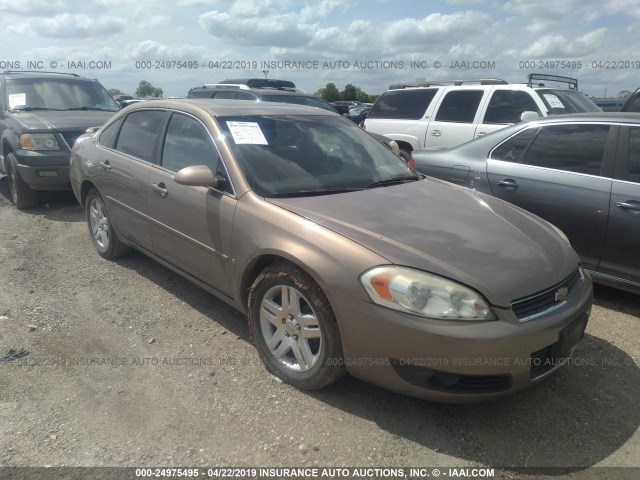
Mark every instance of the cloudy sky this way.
pixel 184 43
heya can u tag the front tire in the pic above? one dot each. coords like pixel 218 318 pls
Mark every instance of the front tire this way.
pixel 22 195
pixel 294 328
pixel 102 234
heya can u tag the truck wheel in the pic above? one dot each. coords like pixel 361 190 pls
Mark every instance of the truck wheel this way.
pixel 22 195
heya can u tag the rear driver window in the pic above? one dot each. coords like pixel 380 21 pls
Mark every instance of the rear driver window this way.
pixel 512 149
pixel 404 104
pixel 109 135
pixel 139 133
pixel 459 106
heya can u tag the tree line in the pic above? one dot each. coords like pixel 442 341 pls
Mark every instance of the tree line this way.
pixel 350 92
pixel 145 89
pixel 329 92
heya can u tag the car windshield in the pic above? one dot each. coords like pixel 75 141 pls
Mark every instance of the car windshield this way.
pixel 566 101
pixel 58 94
pixel 300 100
pixel 296 155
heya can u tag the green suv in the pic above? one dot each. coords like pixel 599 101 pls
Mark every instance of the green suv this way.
pixel 41 115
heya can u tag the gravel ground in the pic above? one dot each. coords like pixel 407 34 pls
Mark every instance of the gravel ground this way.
pixel 124 363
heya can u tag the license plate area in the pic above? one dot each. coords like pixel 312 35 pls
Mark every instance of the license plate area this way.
pixel 546 360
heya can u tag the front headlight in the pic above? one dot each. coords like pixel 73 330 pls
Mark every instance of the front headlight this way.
pixel 38 141
pixel 421 293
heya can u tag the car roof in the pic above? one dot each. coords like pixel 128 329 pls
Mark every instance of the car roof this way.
pixel 612 117
pixel 267 90
pixel 25 74
pixel 223 108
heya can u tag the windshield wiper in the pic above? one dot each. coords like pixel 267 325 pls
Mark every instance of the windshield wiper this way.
pixel 92 108
pixel 311 193
pixel 391 181
pixel 27 108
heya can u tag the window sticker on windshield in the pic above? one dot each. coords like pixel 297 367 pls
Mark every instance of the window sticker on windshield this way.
pixel 17 99
pixel 247 133
pixel 553 101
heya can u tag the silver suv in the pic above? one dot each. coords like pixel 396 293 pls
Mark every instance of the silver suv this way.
pixel 442 115
pixel 259 90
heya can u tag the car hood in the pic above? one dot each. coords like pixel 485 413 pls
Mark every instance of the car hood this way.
pixel 62 120
pixel 500 250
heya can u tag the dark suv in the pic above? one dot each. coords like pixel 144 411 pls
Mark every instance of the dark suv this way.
pixel 261 90
pixel 41 115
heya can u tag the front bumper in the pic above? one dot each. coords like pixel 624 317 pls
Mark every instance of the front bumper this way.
pixel 461 361
pixel 44 171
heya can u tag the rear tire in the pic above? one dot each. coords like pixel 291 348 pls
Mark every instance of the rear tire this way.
pixel 22 195
pixel 101 231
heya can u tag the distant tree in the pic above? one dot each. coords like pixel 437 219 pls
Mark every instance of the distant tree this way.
pixel 330 92
pixel 115 91
pixel 362 96
pixel 350 92
pixel 624 94
pixel 145 89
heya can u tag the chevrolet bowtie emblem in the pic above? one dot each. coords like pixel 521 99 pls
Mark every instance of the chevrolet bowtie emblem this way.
pixel 561 294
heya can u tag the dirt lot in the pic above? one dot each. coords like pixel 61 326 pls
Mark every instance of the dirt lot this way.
pixel 130 365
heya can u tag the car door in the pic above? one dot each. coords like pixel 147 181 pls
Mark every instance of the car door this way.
pixel 125 155
pixel 621 256
pixel 191 225
pixel 562 173
pixel 456 119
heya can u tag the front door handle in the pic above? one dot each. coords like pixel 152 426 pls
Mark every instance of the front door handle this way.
pixel 629 205
pixel 508 182
pixel 436 133
pixel 160 189
pixel 105 165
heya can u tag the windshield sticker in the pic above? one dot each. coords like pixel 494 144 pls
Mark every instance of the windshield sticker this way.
pixel 17 99
pixel 247 133
pixel 554 102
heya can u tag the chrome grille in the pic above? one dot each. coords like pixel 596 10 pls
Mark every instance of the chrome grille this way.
pixel 548 300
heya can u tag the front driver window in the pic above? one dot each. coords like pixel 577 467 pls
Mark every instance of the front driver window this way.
pixel 187 143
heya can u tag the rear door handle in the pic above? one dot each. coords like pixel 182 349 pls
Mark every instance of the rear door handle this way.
pixel 160 189
pixel 436 133
pixel 629 205
pixel 509 183
pixel 105 165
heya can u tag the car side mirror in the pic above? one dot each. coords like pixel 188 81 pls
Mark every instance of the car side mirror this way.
pixel 528 115
pixel 394 147
pixel 198 176
pixel 92 130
